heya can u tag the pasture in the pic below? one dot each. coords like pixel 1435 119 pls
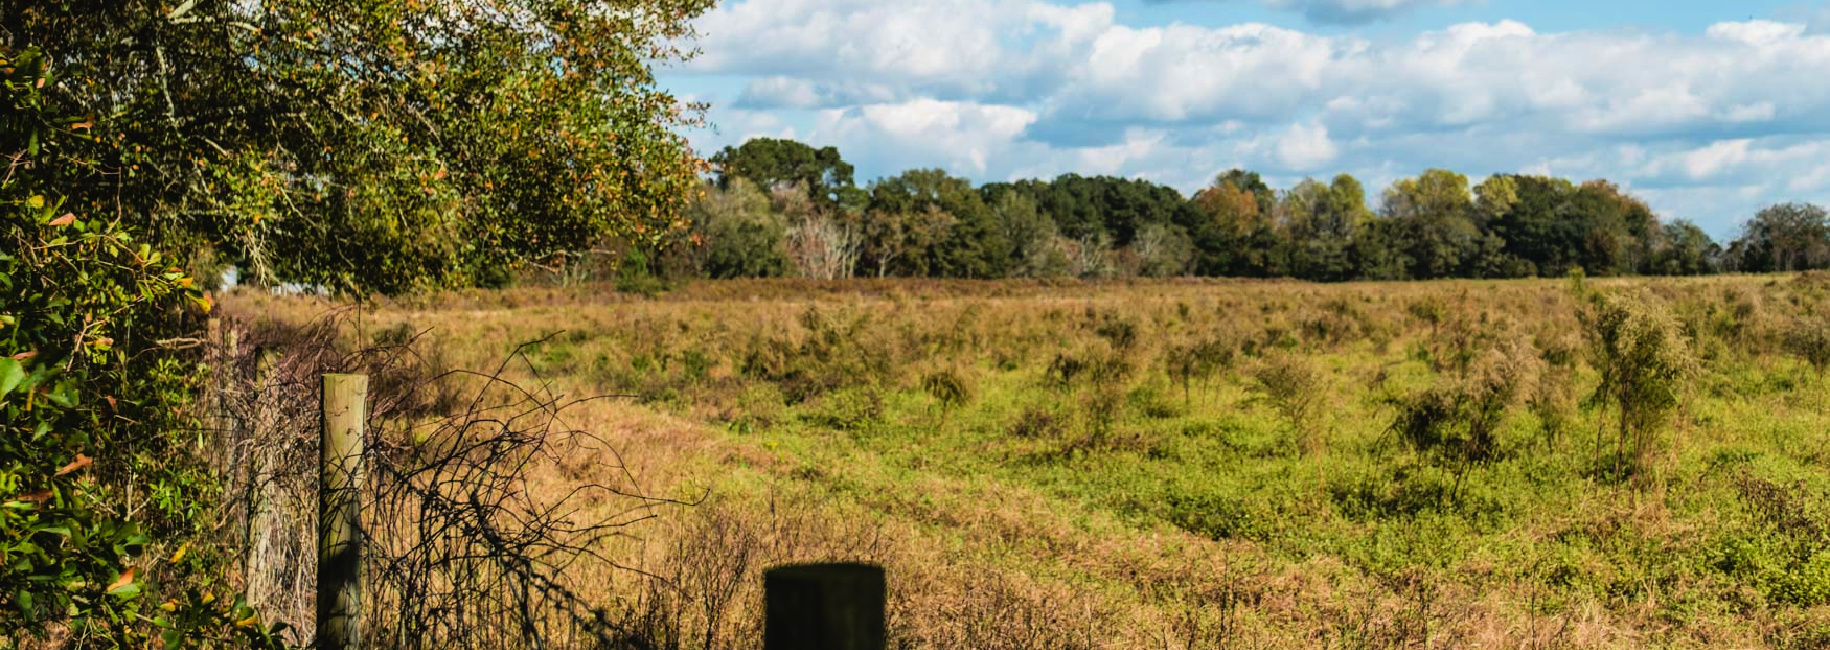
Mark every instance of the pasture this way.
pixel 1190 464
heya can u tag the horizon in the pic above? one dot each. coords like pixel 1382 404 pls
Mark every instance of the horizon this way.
pixel 1693 113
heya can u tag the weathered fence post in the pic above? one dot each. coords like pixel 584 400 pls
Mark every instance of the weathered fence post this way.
pixel 340 482
pixel 824 607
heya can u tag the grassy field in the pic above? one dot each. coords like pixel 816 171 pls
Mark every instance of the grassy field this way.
pixel 1190 464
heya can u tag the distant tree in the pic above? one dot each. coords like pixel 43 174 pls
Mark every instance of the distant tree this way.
pixel 1617 229
pixel 1435 212
pixel 945 227
pixel 1319 222
pixel 1785 237
pixel 737 234
pixel 1163 251
pixel 823 244
pixel 773 163
pixel 1119 208
pixel 1235 232
pixel 1495 197
pixel 1030 234
pixel 1250 181
pixel 1684 249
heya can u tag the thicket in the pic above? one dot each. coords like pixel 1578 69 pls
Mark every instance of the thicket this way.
pixel 345 147
pixel 106 506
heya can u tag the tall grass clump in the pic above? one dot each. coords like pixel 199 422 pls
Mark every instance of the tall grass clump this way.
pixel 1645 363
pixel 949 387
pixel 1809 340
pixel 1198 361
pixel 1460 416
pixel 1292 386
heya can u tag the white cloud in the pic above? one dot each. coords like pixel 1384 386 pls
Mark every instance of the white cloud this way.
pixel 1756 32
pixel 959 135
pixel 1713 159
pixel 1305 147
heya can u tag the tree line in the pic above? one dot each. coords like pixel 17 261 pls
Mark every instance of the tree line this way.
pixel 781 208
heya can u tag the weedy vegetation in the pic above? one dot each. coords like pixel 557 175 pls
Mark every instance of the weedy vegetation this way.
pixel 1192 464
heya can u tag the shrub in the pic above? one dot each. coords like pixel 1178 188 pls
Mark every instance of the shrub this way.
pixel 1809 339
pixel 1644 361
pixel 1036 422
pixel 1148 400
pixel 1198 360
pixel 99 465
pixel 949 388
pixel 1119 331
pixel 1429 309
pixel 1461 414
pixel 853 408
pixel 759 406
pixel 1293 387
pixel 1103 406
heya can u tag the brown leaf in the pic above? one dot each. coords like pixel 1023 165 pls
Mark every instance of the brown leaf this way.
pixel 82 460
pixel 65 220
pixel 25 355
pixel 40 496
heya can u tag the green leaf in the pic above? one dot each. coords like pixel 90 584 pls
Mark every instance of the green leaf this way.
pixel 11 373
pixel 127 591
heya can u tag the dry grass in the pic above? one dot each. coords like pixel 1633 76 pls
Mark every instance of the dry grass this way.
pixel 1108 475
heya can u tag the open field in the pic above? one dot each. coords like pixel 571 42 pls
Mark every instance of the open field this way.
pixel 1189 464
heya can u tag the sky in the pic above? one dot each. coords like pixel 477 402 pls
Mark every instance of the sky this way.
pixel 1708 110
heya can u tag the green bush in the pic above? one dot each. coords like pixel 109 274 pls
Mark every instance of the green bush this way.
pixel 853 408
pixel 1645 362
pixel 949 388
pixel 103 503
pixel 1292 386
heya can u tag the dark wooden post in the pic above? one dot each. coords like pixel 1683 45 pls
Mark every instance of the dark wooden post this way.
pixel 340 480
pixel 824 607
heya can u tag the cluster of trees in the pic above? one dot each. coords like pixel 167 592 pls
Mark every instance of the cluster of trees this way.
pixel 369 147
pixel 776 208
pixel 358 147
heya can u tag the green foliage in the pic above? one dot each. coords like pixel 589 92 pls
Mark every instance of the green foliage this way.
pixel 97 463
pixel 771 162
pixel 852 408
pixel 1198 361
pixel 1461 414
pixel 948 387
pixel 1293 387
pixel 743 236
pixel 927 223
pixel 1644 362
pixel 376 147
pixel 1784 237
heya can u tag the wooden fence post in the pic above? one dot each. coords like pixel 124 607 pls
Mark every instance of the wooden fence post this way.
pixel 824 607
pixel 340 482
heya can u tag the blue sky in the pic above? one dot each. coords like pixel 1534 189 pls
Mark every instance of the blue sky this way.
pixel 1709 110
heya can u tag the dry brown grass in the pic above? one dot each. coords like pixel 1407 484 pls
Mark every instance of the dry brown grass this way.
pixel 725 377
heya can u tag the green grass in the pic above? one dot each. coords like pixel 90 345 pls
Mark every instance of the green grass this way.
pixel 1109 483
